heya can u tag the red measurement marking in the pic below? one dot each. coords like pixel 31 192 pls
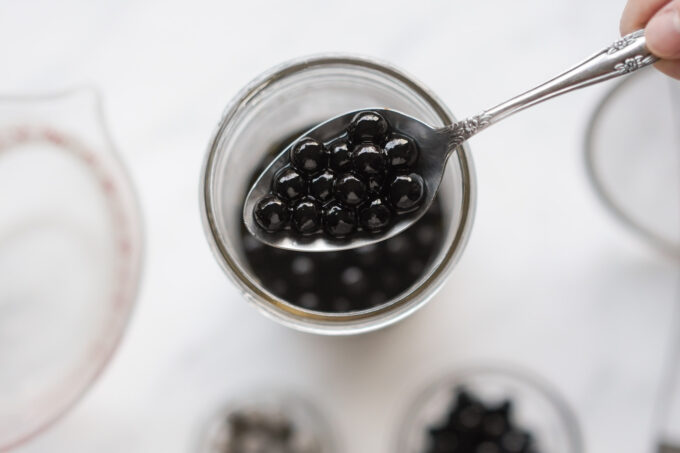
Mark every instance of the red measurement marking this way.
pixel 54 137
pixel 125 247
pixel 108 186
pixel 20 134
pixel 65 391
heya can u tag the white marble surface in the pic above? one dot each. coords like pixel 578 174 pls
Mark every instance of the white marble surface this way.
pixel 549 281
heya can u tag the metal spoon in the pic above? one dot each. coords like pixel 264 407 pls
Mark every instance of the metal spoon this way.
pixel 624 56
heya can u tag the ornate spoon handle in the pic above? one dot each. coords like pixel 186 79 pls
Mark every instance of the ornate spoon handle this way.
pixel 624 56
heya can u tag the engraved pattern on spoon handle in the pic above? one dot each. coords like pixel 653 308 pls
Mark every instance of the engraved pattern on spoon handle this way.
pixel 626 55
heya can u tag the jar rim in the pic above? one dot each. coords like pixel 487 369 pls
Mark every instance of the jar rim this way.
pixel 298 317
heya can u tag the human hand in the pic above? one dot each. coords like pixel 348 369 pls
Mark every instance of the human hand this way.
pixel 661 21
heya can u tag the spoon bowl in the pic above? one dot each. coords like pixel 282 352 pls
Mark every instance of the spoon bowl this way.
pixel 434 151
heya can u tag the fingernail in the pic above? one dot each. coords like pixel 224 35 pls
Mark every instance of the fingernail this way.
pixel 663 32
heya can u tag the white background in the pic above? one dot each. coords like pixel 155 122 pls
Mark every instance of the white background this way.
pixel 549 281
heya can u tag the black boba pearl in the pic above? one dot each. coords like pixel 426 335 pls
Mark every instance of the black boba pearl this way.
pixel 338 220
pixel 494 424
pixel 488 447
pixel 368 126
pixel 306 216
pixel 340 155
pixel 321 186
pixel 401 152
pixel 308 156
pixel 406 191
pixel 375 183
pixel 349 189
pixel 289 184
pixel 470 418
pixel 375 216
pixel 271 214
pixel 516 441
pixel 368 159
pixel 443 441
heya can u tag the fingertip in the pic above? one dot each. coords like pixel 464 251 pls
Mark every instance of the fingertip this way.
pixel 663 32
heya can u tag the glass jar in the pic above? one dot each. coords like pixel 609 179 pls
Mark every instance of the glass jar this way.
pixel 290 98
pixel 267 418
pixel 534 406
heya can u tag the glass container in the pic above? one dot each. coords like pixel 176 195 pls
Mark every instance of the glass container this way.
pixel 288 99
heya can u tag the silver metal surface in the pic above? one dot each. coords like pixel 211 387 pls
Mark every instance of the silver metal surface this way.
pixel 624 56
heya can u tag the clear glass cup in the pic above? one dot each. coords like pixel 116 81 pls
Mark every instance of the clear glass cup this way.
pixel 536 407
pixel 290 98
pixel 311 432
pixel 70 256
pixel 633 156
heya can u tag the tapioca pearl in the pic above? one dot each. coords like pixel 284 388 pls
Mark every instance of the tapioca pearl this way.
pixel 494 424
pixel 368 159
pixel 349 190
pixel 377 298
pixel 406 192
pixel 470 418
pixel 426 235
pixel 340 156
pixel 251 245
pixel 367 255
pixel 271 214
pixel 515 441
pixel 354 280
pixel 375 216
pixel 390 281
pixel 321 186
pixel 401 152
pixel 376 184
pixel 279 287
pixel 308 156
pixel 339 221
pixel 399 246
pixel 306 216
pixel 289 184
pixel 341 304
pixel 444 441
pixel 416 267
pixel 488 447
pixel 368 125
pixel 302 265
pixel 309 300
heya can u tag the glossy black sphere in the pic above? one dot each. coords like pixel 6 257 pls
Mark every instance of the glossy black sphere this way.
pixel 401 152
pixel 321 186
pixel 338 220
pixel 349 189
pixel 406 191
pixel 271 214
pixel 368 159
pixel 306 216
pixel 289 184
pixel 376 183
pixel 367 126
pixel 375 215
pixel 308 156
pixel 340 156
